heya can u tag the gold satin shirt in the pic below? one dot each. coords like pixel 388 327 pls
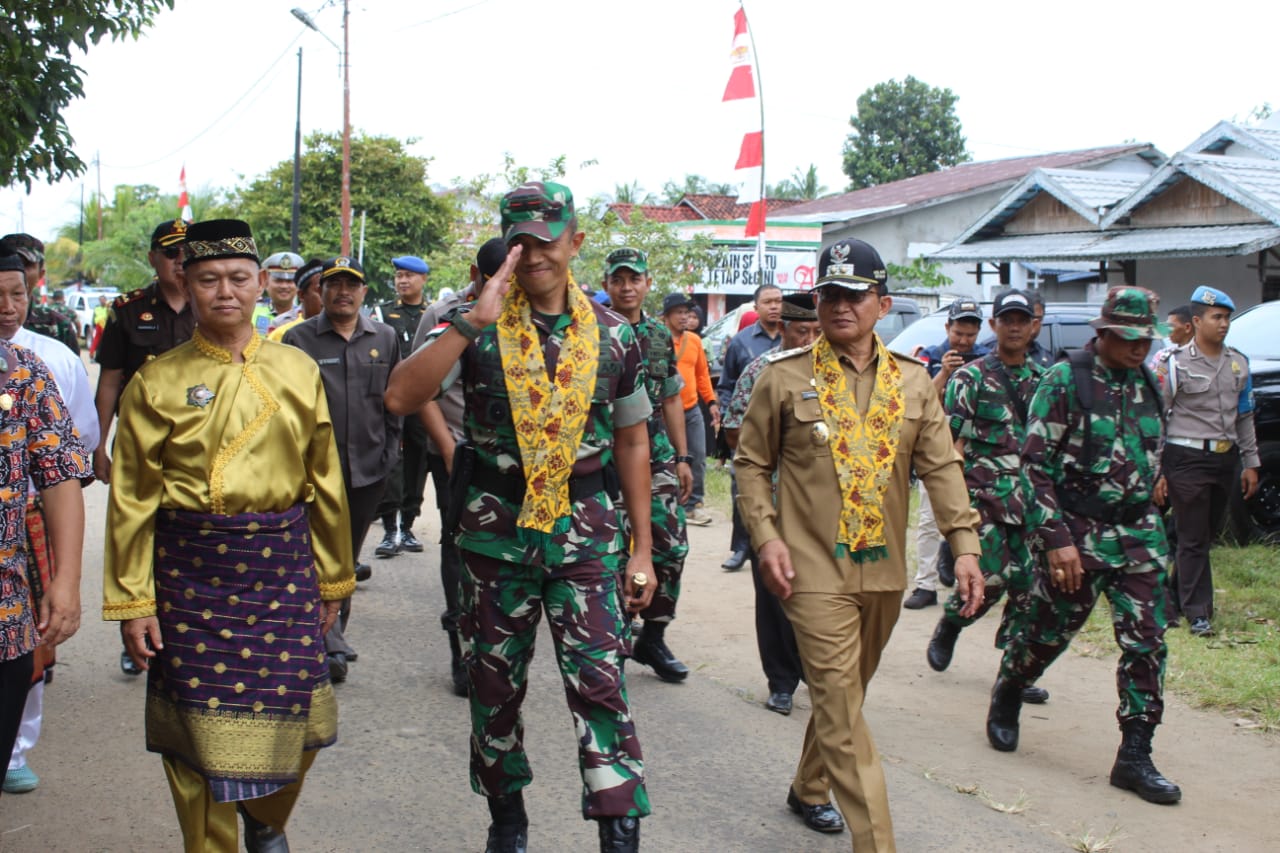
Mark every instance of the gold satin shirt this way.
pixel 780 433
pixel 200 433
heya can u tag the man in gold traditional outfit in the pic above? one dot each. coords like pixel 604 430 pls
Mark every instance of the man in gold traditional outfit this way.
pixel 842 422
pixel 226 556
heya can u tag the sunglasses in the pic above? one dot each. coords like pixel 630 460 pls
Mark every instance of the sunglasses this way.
pixel 831 295
pixel 170 252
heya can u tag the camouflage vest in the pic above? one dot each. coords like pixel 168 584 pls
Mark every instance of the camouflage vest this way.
pixel 1081 361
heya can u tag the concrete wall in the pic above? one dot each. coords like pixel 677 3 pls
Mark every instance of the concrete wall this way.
pixel 1174 279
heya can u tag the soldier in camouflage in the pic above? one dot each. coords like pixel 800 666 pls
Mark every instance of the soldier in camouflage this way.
pixel 1090 465
pixel 515 567
pixel 627 281
pixel 41 320
pixel 986 402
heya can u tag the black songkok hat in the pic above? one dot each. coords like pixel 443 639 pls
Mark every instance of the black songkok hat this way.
pixel 13 263
pixel 799 306
pixel 218 239
pixel 308 271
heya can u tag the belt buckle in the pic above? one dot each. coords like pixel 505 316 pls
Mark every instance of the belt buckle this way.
pixel 1221 445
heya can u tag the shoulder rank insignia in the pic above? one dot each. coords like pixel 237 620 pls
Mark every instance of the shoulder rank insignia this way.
pixel 905 357
pixel 199 396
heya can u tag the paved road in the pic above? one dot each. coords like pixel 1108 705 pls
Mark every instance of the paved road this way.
pixel 718 764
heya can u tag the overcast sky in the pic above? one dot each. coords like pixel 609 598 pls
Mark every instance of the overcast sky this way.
pixel 631 92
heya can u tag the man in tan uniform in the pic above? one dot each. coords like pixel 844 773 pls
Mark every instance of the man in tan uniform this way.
pixel 842 423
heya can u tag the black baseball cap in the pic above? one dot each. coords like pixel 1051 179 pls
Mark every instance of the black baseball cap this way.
pixel 339 265
pixel 672 301
pixel 1012 300
pixel 964 309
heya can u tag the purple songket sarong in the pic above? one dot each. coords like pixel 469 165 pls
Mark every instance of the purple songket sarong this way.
pixel 241 689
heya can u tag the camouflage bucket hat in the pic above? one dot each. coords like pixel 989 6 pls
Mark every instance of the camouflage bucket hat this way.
pixel 1130 313
pixel 626 258
pixel 537 208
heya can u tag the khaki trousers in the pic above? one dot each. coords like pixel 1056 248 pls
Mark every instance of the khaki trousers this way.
pixel 210 827
pixel 841 637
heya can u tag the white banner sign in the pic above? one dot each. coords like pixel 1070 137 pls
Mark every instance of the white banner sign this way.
pixel 739 272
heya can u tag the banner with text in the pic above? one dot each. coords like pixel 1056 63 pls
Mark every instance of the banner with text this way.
pixel 739 272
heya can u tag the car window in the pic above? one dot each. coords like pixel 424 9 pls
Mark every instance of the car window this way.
pixel 1254 331
pixel 1069 336
pixel 924 332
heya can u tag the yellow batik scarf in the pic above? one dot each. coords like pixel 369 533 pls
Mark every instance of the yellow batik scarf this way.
pixel 549 415
pixel 863 449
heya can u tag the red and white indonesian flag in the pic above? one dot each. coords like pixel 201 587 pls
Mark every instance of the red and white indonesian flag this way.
pixel 184 203
pixel 743 97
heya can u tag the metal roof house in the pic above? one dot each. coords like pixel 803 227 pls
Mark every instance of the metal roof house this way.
pixel 915 216
pixel 1211 215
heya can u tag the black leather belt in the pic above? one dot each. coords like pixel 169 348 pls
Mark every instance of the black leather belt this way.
pixel 511 487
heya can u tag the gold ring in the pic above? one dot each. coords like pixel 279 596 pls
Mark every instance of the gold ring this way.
pixel 1059 574
pixel 640 579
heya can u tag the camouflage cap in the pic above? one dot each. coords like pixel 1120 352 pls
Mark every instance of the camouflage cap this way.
pixel 541 209
pixel 1130 313
pixel 626 257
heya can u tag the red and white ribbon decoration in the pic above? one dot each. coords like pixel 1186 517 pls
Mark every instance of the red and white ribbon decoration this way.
pixel 742 89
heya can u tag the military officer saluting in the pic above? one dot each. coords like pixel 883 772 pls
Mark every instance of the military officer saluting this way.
pixel 1090 460
pixel 1209 397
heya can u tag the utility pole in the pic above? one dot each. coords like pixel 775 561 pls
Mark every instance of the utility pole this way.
pixel 346 128
pixel 297 167
pixel 97 161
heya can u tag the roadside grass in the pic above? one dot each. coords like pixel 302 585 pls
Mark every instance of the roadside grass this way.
pixel 1237 670
pixel 716 484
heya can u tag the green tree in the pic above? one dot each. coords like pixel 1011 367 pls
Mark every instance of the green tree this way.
pixel 673 191
pixel 388 185
pixel 675 264
pixel 918 273
pixel 38 79
pixel 902 130
pixel 632 193
pixel 800 185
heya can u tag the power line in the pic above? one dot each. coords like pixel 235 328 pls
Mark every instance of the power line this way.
pixel 445 15
pixel 236 103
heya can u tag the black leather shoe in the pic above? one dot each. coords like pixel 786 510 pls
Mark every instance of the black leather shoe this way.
pixel 1133 770
pixel 820 818
pixel 735 562
pixel 1034 695
pixel 409 542
pixel 619 834
pixel 651 650
pixel 388 547
pixel 1200 627
pixel 337 667
pixel 364 571
pixel 457 670
pixel 943 644
pixel 260 837
pixel 779 703
pixel 509 831
pixel 946 565
pixel 127 666
pixel 1002 718
pixel 921 598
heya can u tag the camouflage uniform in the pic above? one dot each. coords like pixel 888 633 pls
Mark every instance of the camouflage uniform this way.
pixel 1100 501
pixel 576 577
pixel 670 542
pixel 51 324
pixel 982 414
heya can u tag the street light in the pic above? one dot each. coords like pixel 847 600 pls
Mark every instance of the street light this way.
pixel 346 114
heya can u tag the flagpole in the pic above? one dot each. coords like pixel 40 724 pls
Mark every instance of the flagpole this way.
pixel 755 62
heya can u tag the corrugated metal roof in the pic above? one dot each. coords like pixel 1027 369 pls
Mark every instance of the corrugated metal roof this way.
pixel 1250 182
pixel 1264 140
pixel 1117 244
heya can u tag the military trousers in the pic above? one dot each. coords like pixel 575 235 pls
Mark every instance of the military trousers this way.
pixel 1006 566
pixel 502 605
pixel 670 541
pixel 1200 484
pixel 1139 614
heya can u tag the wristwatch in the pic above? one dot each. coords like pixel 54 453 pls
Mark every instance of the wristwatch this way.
pixel 688 460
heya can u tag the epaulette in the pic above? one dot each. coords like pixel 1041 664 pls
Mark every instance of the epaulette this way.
pixel 125 298
pixel 779 355
pixel 1228 349
pixel 905 357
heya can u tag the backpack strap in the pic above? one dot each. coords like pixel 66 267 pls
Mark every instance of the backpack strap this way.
pixel 994 365
pixel 1081 362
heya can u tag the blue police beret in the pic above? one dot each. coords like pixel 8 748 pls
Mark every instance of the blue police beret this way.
pixel 1206 295
pixel 411 264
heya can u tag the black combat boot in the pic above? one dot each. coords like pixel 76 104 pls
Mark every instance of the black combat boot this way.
pixel 457 671
pixel 509 831
pixel 260 837
pixel 1133 769
pixel 409 542
pixel 1002 719
pixel 390 544
pixel 651 650
pixel 943 644
pixel 619 834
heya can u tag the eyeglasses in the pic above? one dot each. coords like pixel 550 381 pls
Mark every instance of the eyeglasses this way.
pixel 171 252
pixel 832 295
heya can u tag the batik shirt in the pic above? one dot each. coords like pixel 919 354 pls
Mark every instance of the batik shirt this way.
pixel 1118 476
pixel 982 414
pixel 37 440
